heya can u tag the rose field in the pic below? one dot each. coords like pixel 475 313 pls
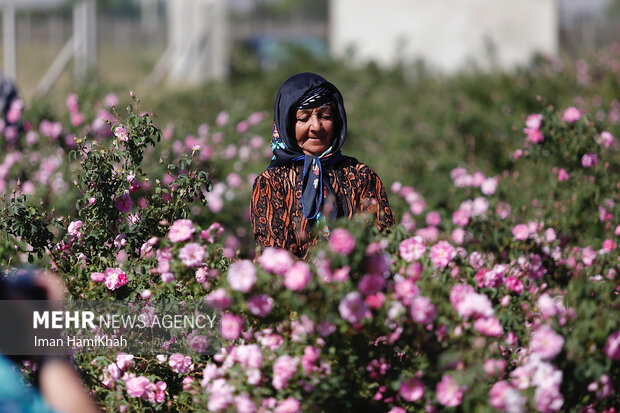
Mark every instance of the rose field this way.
pixel 497 290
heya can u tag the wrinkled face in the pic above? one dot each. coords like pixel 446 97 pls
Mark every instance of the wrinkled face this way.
pixel 314 129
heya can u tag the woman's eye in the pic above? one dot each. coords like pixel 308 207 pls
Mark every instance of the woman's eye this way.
pixel 305 119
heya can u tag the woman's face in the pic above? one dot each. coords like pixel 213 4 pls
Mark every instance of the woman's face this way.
pixel 314 129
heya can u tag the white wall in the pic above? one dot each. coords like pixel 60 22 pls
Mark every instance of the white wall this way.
pixel 197 41
pixel 446 34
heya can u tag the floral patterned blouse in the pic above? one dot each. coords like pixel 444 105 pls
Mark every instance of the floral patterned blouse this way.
pixel 276 211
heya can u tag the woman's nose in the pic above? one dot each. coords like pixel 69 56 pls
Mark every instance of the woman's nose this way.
pixel 315 122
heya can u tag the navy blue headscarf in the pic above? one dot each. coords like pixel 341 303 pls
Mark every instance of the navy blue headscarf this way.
pixel 293 92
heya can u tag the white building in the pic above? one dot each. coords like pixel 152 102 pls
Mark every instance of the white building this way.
pixel 448 35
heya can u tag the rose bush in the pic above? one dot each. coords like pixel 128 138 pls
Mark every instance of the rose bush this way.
pixel 503 296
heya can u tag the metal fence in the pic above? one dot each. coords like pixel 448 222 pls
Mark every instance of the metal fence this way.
pixel 128 32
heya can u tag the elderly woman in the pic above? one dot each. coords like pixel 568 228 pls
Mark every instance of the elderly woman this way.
pixel 309 179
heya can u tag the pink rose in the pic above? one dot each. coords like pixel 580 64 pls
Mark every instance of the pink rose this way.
pixel 242 276
pixel 124 361
pixel 123 203
pixel 548 399
pixel 115 278
pixel 550 235
pixel 192 255
pixel 74 229
pixel 376 262
pixel 181 230
pixel 494 367
pixel 546 343
pixel 533 121
pixel 111 374
pixel 110 100
pixel 220 395
pixel 396 186
pixel 428 234
pixel 180 363
pixel 275 260
pixel 214 230
pixel 325 328
pixel 98 277
pixel 218 299
pixel 231 326
pixel 422 310
pixel 341 241
pixel 571 115
pixel 311 355
pixel 375 301
pixel 489 326
pixel 72 102
pixel 221 119
pixel 606 139
pixel 353 308
pixel 242 127
pixel 298 276
pixel 248 355
pixel 284 369
pixel 121 133
pixel 476 260
pixel 589 160
pixel 475 305
pixel 521 232
pixel 137 386
pixel 233 180
pixel 417 206
pixel 502 210
pixel 547 306
pixel 201 274
pixel 588 256
pixel 341 274
pixel 187 383
pixel 289 405
pixel 167 277
pixel 164 256
pixel 260 305
pixel 449 393
pixel 412 249
pixel 197 342
pixel 433 219
pixel 405 290
pixel 479 207
pixel 441 254
pixel 514 284
pixel 534 136
pixel 244 404
pixel 411 390
pixel 370 284
pixel 562 175
pixel 612 346
pixel 459 292
pixel 502 396
pixel 135 186
pixel 414 271
pixel 457 173
pixel 458 236
pixel 489 186
pixel 460 218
